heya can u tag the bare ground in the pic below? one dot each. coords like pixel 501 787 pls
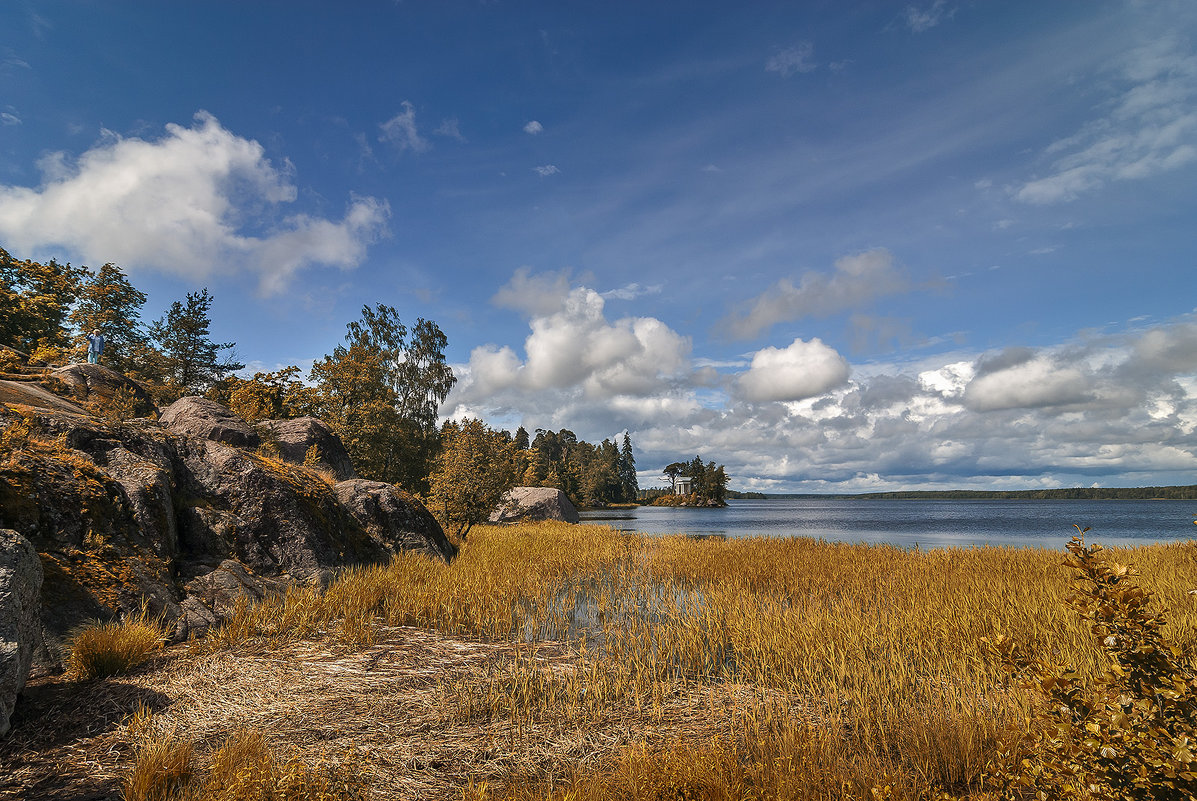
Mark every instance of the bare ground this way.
pixel 390 707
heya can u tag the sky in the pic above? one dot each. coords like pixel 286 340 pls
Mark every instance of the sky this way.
pixel 836 247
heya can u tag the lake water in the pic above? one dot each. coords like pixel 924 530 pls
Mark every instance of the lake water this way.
pixel 927 523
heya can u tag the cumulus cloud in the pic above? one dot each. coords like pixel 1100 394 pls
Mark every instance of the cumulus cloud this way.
pixel 802 370
pixel 1025 382
pixel 1150 128
pixel 538 294
pixel 198 201
pixel 546 170
pixel 923 19
pixel 856 280
pixel 793 59
pixel 401 130
pixel 533 127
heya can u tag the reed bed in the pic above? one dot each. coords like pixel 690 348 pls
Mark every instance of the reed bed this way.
pixel 576 662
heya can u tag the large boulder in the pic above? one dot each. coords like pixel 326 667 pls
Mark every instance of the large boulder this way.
pixel 96 383
pixel 394 519
pixel 22 393
pixel 130 515
pixel 20 627
pixel 295 437
pixel 534 503
pixel 206 419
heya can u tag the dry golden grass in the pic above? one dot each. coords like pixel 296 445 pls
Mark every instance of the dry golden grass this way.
pixel 98 650
pixel 574 662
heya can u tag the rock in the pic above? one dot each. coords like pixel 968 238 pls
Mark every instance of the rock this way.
pixel 534 503
pixel 20 627
pixel 200 417
pixel 393 518
pixel 97 383
pixel 128 514
pixel 214 596
pixel 295 437
pixel 22 393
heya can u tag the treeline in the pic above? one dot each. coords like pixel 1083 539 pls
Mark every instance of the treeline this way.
pixel 379 390
pixel 590 475
pixel 1184 493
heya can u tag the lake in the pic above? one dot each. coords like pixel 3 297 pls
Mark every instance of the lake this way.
pixel 927 523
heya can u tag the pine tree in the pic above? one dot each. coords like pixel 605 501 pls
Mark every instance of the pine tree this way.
pixel 627 470
pixel 188 361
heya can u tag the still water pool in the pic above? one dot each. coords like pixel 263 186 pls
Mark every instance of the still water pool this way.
pixel 927 523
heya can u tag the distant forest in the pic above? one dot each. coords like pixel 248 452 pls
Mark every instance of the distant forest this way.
pixel 1187 493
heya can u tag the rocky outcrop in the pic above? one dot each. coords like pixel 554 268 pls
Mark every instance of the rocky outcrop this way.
pixel 294 438
pixel 95 383
pixel 130 514
pixel 393 518
pixel 20 628
pixel 534 503
pixel 200 417
pixel 21 393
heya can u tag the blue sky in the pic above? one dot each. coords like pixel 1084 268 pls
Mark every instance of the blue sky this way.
pixel 837 247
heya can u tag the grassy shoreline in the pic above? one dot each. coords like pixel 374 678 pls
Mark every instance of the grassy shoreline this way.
pixel 594 664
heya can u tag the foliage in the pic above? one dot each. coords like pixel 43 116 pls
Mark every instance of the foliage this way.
pixel 471 473
pixel 1129 732
pixel 590 475
pixel 35 300
pixel 98 650
pixel 277 395
pixel 380 391
pixel 186 360
pixel 708 483
pixel 108 301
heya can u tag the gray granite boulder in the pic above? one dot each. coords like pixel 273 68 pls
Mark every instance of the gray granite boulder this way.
pixel 534 503
pixel 206 419
pixel 294 437
pixel 20 626
pixel 97 383
pixel 392 518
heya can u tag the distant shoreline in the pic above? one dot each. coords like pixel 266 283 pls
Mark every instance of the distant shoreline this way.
pixel 1179 493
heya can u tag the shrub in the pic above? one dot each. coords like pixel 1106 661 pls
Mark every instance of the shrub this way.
pixel 1130 732
pixel 97 650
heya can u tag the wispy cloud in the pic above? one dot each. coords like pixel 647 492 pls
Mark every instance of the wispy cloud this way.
pixel 546 170
pixel 923 19
pixel 798 58
pixel 1150 128
pixel 855 280
pixel 9 118
pixel 533 127
pixel 401 130
pixel 197 201
pixel 632 291
pixel 450 128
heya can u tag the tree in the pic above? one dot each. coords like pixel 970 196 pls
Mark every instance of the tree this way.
pixel 35 300
pixel 267 396
pixel 470 475
pixel 674 471
pixel 110 303
pixel 380 393
pixel 629 485
pixel 187 361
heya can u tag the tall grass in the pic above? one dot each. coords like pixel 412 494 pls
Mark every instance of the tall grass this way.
pixel 98 650
pixel 820 670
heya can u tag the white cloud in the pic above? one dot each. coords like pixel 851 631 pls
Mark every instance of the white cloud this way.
pixel 802 370
pixel 1150 128
pixel 401 130
pixel 856 280
pixel 536 295
pixel 793 59
pixel 547 170
pixel 196 202
pixel 451 129
pixel 533 127
pixel 922 19
pixel 8 118
pixel 632 291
